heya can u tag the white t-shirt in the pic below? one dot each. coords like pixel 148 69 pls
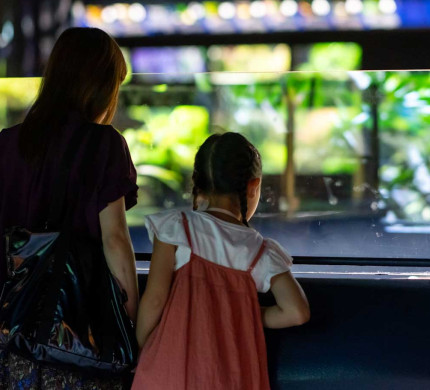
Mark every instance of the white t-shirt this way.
pixel 221 242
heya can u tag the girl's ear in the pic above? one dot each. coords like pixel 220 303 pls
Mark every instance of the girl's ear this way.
pixel 253 186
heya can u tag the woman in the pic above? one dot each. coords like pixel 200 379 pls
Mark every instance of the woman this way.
pixel 80 87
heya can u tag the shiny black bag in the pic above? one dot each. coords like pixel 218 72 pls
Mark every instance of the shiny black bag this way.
pixel 60 304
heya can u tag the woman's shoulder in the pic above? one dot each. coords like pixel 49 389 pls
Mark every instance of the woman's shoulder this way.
pixel 10 131
pixel 110 141
pixel 106 131
pixel 12 128
pixel 9 140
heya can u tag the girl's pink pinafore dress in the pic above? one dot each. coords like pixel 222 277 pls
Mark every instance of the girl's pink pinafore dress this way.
pixel 210 336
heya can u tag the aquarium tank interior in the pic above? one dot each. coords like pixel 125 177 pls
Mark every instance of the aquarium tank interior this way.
pixel 345 153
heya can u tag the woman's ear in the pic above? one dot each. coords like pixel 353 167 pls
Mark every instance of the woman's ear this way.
pixel 253 187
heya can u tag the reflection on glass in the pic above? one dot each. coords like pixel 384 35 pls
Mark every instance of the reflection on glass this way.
pixel 174 62
pixel 246 16
pixel 249 58
pixel 345 154
pixel 328 56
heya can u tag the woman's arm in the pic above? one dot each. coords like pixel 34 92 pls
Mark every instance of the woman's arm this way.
pixel 119 252
pixel 291 307
pixel 157 289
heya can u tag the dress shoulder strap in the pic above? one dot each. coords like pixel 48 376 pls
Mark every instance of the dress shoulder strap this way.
pixel 187 229
pixel 258 256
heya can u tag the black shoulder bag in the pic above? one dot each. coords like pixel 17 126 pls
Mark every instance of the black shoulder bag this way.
pixel 60 304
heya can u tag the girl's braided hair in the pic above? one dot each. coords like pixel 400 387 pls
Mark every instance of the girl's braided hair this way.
pixel 223 165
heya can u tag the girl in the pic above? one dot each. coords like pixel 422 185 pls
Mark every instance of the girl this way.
pixel 210 326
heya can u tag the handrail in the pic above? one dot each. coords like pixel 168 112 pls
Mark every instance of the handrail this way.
pixel 347 261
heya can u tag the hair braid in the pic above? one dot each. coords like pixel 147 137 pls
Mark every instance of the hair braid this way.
pixel 202 173
pixel 195 192
pixel 243 203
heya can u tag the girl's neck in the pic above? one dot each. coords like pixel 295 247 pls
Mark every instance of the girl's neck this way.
pixel 224 202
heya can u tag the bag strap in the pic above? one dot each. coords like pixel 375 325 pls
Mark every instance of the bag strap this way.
pixel 187 230
pixel 258 256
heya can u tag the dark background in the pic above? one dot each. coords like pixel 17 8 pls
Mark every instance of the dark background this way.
pixel 38 23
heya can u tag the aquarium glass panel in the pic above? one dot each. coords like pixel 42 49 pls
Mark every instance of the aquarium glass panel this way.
pixel 345 153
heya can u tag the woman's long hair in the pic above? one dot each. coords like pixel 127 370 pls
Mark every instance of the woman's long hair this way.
pixel 83 75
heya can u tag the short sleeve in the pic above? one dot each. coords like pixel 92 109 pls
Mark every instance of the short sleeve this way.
pixel 119 179
pixel 168 227
pixel 275 260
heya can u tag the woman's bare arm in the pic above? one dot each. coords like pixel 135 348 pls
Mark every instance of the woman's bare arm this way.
pixel 118 251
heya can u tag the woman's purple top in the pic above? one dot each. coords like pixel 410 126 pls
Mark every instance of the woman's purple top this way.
pixel 25 190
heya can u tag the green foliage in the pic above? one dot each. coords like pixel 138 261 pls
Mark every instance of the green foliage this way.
pixel 170 178
pixel 257 111
pixel 337 164
pixel 403 103
pixel 16 94
pixel 274 156
pixel 333 56
pixel 19 93
pixel 169 137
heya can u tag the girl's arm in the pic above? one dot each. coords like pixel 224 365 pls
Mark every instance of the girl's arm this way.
pixel 291 307
pixel 157 289
pixel 119 252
